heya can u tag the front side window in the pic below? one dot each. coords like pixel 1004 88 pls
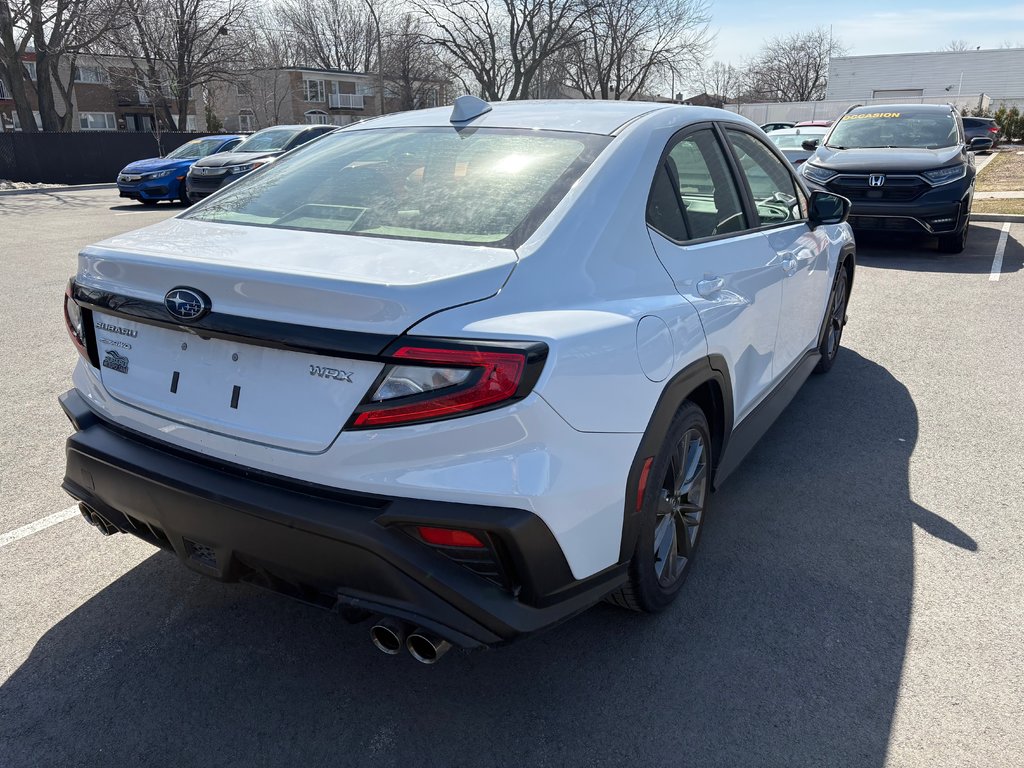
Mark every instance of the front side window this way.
pixel 489 186
pixel 697 172
pixel 776 195
pixel 908 128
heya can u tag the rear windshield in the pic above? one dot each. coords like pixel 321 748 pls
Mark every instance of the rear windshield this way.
pixel 489 186
pixel 905 128
pixel 269 140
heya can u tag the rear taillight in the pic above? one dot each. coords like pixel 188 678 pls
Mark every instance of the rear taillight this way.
pixel 993 129
pixel 75 323
pixel 427 382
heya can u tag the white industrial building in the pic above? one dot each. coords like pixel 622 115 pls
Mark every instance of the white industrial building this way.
pixel 939 75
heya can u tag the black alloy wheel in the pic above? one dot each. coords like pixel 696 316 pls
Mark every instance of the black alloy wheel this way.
pixel 835 320
pixel 674 508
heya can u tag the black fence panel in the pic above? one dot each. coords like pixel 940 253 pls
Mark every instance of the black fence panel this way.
pixel 84 157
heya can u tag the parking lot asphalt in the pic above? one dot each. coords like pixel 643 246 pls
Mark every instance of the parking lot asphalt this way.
pixel 858 600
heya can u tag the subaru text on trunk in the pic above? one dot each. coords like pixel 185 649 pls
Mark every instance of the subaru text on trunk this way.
pixel 461 373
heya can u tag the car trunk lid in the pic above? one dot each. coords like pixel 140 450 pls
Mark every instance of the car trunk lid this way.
pixel 286 353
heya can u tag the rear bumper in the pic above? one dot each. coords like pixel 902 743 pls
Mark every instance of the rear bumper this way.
pixel 332 548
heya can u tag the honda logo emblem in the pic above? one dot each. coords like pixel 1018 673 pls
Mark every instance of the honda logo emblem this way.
pixel 876 180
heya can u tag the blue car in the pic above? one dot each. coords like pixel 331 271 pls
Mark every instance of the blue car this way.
pixel 163 178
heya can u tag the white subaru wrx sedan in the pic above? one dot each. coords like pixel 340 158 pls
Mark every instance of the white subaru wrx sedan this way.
pixel 462 373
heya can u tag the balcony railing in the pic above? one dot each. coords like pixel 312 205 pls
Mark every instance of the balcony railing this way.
pixel 346 101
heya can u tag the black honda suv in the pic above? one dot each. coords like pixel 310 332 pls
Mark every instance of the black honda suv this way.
pixel 905 168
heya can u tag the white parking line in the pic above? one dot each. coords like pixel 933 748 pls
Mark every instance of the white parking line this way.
pixel 997 262
pixel 39 525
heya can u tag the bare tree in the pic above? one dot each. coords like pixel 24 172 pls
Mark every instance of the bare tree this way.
pixel 626 44
pixel 719 79
pixel 412 69
pixel 956 46
pixel 262 84
pixel 792 67
pixel 501 47
pixel 58 31
pixel 180 45
pixel 332 34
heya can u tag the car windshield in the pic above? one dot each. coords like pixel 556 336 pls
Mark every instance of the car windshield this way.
pixel 490 186
pixel 906 128
pixel 269 140
pixel 195 149
pixel 794 140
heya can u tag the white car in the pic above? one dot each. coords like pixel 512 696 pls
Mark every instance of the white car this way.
pixel 464 372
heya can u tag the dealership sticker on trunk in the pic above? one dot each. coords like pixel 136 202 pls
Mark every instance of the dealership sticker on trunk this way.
pixel 116 361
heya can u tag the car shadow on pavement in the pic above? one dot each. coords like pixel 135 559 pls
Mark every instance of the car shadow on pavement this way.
pixel 785 647
pixel 908 253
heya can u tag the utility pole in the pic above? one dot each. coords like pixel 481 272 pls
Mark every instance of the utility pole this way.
pixel 380 53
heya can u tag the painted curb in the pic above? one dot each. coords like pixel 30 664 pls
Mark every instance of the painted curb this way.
pixel 53 190
pixel 1014 218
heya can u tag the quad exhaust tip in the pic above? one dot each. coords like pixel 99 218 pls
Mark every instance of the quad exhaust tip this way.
pixel 388 635
pixel 426 648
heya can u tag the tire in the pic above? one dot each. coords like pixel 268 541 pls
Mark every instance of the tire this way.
pixel 149 203
pixel 676 497
pixel 835 319
pixel 954 243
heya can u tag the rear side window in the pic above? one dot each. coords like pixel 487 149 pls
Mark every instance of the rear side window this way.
pixel 489 186
pixel 693 194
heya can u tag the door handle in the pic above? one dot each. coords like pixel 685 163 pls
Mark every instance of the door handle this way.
pixel 710 286
pixel 788 263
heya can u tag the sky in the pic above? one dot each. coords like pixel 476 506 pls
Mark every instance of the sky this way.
pixel 865 26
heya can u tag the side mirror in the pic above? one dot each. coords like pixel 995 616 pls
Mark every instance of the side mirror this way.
pixel 827 208
pixel 979 144
pixel 810 144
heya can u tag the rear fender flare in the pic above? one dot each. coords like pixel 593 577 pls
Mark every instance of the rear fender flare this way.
pixel 706 381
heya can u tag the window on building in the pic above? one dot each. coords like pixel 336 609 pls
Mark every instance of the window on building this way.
pixel 191 124
pixel 91 75
pixel 313 90
pixel 3 91
pixel 30 68
pixel 17 121
pixel 246 121
pixel 364 89
pixel 317 117
pixel 97 121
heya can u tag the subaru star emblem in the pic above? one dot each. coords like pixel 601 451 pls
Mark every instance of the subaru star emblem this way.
pixel 876 180
pixel 186 303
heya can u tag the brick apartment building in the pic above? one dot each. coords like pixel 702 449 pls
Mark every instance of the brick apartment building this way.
pixel 107 96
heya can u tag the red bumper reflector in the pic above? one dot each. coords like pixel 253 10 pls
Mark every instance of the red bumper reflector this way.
pixel 641 487
pixel 448 537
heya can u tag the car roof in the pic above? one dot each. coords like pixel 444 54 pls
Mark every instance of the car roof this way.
pixel 870 108
pixel 799 130
pixel 579 115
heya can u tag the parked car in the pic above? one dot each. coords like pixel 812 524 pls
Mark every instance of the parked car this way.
pixel 905 168
pixel 984 128
pixel 262 147
pixel 466 372
pixel 776 126
pixel 163 178
pixel 791 142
